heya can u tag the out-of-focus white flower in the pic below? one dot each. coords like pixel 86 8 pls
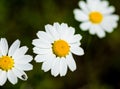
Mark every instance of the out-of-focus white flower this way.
pixel 96 16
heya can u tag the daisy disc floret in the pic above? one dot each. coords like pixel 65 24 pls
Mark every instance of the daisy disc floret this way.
pixel 55 46
pixel 96 16
pixel 13 62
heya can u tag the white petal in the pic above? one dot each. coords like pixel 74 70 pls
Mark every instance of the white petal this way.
pixel 93 5
pixel 20 74
pixel 43 35
pixel 4 46
pixel 42 58
pixel 70 62
pixel 100 32
pixel 112 17
pixel 14 47
pixel 83 6
pixel 109 23
pixel 25 67
pixel 41 43
pixel 75 38
pixel 71 31
pixel 41 50
pixel 77 50
pixel 3 78
pixel 80 15
pixel 12 77
pixel 56 67
pixel 107 27
pixel 69 34
pixel 75 44
pixel 23 59
pixel 46 66
pixel 62 30
pixel 0 53
pixel 20 52
pixel 85 26
pixel 109 10
pixel 105 4
pixel 52 31
pixel 63 67
pixel 93 29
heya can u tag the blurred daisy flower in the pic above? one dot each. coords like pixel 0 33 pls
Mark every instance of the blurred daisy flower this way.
pixel 96 16
pixel 55 47
pixel 13 62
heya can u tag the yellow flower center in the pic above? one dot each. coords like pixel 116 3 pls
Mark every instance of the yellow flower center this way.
pixel 95 17
pixel 6 63
pixel 61 48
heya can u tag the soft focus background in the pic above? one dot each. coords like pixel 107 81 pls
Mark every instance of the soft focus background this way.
pixel 99 68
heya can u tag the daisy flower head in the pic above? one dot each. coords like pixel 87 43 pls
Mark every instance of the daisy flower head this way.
pixel 96 16
pixel 13 62
pixel 55 46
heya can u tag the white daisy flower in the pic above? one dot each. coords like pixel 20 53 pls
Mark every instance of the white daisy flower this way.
pixel 96 16
pixel 55 47
pixel 13 62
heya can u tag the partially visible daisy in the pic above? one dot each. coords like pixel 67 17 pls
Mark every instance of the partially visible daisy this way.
pixel 96 16
pixel 13 62
pixel 55 47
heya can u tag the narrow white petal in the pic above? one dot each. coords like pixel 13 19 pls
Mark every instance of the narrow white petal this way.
pixel 14 47
pixel 69 34
pixel 75 38
pixel 107 26
pixel 23 59
pixel 83 6
pixel 63 67
pixel 4 46
pixel 80 15
pixel 104 4
pixel 110 22
pixel 93 29
pixel 3 78
pixel 25 67
pixel 93 5
pixel 43 35
pixel 62 30
pixel 41 58
pixel 77 50
pixel 71 62
pixel 0 53
pixel 109 10
pixel 56 67
pixel 41 43
pixel 75 44
pixel 44 57
pixel 20 52
pixel 46 66
pixel 57 27
pixel 52 31
pixel 41 50
pixel 12 77
pixel 20 74
pixel 85 26
pixel 71 31
pixel 112 17
pixel 100 32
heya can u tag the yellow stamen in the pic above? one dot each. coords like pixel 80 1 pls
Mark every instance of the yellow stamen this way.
pixel 6 63
pixel 95 17
pixel 61 48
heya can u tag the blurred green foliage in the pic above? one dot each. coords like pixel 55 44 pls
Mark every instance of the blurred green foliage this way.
pixel 99 68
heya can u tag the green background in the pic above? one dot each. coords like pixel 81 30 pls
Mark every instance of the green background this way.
pixel 99 68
